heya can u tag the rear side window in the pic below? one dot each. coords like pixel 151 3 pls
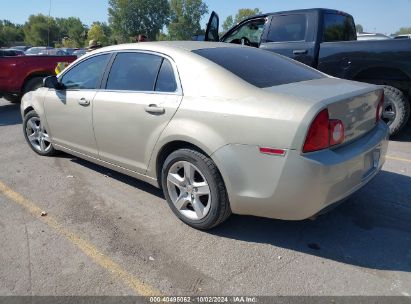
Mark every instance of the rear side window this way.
pixel 166 81
pixel 260 68
pixel 287 28
pixel 134 72
pixel 339 27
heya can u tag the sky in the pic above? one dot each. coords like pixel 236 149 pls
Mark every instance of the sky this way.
pixel 383 16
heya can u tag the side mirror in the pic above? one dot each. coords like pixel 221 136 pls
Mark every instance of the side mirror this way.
pixel 51 82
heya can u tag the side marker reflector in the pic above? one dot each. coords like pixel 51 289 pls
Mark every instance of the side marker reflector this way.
pixel 273 151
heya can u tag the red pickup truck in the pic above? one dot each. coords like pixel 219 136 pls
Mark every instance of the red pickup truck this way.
pixel 19 75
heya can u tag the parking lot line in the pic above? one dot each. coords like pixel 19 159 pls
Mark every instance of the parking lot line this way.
pixel 97 256
pixel 398 158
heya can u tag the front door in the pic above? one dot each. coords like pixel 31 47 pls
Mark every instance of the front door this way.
pixel 290 36
pixel 69 110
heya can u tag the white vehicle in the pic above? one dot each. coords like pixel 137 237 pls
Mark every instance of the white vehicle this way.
pixel 406 36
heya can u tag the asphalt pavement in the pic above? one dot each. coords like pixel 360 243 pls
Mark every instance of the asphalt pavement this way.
pixel 103 233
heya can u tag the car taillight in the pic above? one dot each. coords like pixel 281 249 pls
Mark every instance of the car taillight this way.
pixel 318 136
pixel 380 107
pixel 324 133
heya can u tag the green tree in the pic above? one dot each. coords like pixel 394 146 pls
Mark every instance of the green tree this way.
pixel 359 28
pixel 108 33
pixel 41 30
pixel 228 23
pixel 242 14
pixel 129 18
pixel 185 18
pixel 67 43
pixel 10 33
pixel 72 32
pixel 403 31
pixel 97 33
pixel 2 40
pixel 161 36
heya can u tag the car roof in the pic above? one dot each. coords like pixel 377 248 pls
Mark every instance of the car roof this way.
pixel 167 45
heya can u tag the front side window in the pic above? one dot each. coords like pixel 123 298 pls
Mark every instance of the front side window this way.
pixel 287 28
pixel 260 68
pixel 339 27
pixel 87 74
pixel 134 72
pixel 252 31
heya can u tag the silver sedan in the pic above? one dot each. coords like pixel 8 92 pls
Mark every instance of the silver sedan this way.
pixel 220 128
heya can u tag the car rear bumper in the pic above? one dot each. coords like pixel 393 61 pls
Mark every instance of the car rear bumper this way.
pixel 297 186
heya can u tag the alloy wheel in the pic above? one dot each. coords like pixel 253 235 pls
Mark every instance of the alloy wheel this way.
pixel 189 190
pixel 37 135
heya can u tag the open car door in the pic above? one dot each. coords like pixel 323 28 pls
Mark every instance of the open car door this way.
pixel 212 28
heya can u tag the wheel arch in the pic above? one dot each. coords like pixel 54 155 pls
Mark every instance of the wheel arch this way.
pixel 169 148
pixel 27 110
pixel 34 75
pixel 382 75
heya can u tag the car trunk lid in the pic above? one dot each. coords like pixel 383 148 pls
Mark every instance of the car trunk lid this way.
pixel 354 103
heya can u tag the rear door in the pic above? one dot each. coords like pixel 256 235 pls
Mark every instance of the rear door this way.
pixel 336 56
pixel 140 95
pixel 292 35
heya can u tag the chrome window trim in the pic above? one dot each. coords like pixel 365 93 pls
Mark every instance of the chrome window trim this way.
pixel 140 92
pixel 178 92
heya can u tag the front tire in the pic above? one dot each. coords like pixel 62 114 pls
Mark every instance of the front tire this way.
pixel 194 189
pixel 396 111
pixel 36 135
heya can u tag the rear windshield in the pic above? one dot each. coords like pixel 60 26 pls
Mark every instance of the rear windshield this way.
pixel 260 68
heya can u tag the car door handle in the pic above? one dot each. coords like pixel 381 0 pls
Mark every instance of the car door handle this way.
pixel 84 102
pixel 154 109
pixel 300 52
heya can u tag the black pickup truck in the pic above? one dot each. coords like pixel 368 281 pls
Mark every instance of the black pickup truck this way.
pixel 326 39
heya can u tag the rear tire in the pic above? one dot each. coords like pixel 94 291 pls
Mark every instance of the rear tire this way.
pixel 12 98
pixel 194 189
pixel 396 111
